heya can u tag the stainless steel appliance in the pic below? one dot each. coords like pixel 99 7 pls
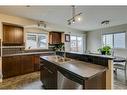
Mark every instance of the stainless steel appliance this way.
pixel 64 81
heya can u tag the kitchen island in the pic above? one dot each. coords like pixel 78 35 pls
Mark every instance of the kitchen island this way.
pixel 87 74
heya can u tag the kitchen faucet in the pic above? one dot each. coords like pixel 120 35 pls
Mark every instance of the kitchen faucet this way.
pixel 64 54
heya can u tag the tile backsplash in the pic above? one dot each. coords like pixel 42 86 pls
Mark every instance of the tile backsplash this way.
pixel 20 49
pixel 12 49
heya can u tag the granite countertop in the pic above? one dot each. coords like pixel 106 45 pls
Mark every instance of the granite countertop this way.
pixel 28 53
pixel 93 54
pixel 83 69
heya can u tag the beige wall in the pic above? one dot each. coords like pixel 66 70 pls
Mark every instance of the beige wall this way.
pixel 94 39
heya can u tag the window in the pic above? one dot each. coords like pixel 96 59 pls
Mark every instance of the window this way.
pixel 36 40
pixel 115 40
pixel 108 40
pixel 76 44
pixel 119 40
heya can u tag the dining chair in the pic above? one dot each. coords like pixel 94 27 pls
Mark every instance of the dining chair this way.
pixel 122 66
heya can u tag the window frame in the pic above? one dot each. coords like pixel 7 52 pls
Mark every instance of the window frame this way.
pixel 77 43
pixel 113 39
pixel 37 40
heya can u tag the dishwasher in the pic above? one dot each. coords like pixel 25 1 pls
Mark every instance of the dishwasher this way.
pixel 66 81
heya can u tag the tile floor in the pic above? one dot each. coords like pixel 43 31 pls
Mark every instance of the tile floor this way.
pixel 28 81
pixel 32 82
pixel 119 80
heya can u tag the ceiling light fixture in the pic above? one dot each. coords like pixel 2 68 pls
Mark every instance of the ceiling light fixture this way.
pixel 75 17
pixel 42 24
pixel 105 22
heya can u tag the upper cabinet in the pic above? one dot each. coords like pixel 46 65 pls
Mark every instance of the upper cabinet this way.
pixel 12 35
pixel 55 37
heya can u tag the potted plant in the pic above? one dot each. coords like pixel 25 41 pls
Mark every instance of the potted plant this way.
pixel 105 50
pixel 59 47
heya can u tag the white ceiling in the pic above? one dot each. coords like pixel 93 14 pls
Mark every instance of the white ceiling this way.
pixel 92 15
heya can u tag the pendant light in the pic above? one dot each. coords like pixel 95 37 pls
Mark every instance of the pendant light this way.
pixel 104 24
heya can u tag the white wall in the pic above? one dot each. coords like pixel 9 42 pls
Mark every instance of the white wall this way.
pixel 94 39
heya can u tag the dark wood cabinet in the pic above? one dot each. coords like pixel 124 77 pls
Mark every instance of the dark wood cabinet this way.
pixel 36 62
pixel 17 65
pixel 27 64
pixel 11 66
pixel 48 75
pixel 19 35
pixel 12 35
pixel 55 37
pixel 20 64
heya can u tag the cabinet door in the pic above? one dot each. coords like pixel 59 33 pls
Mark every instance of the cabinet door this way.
pixel 11 66
pixel 36 62
pixel 48 78
pixel 8 34
pixel 48 75
pixel 43 76
pixel 12 35
pixel 27 64
pixel 18 35
pixel 55 38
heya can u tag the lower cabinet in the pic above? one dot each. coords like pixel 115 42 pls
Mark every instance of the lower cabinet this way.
pixel 36 62
pixel 27 64
pixel 11 66
pixel 18 65
pixel 48 75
